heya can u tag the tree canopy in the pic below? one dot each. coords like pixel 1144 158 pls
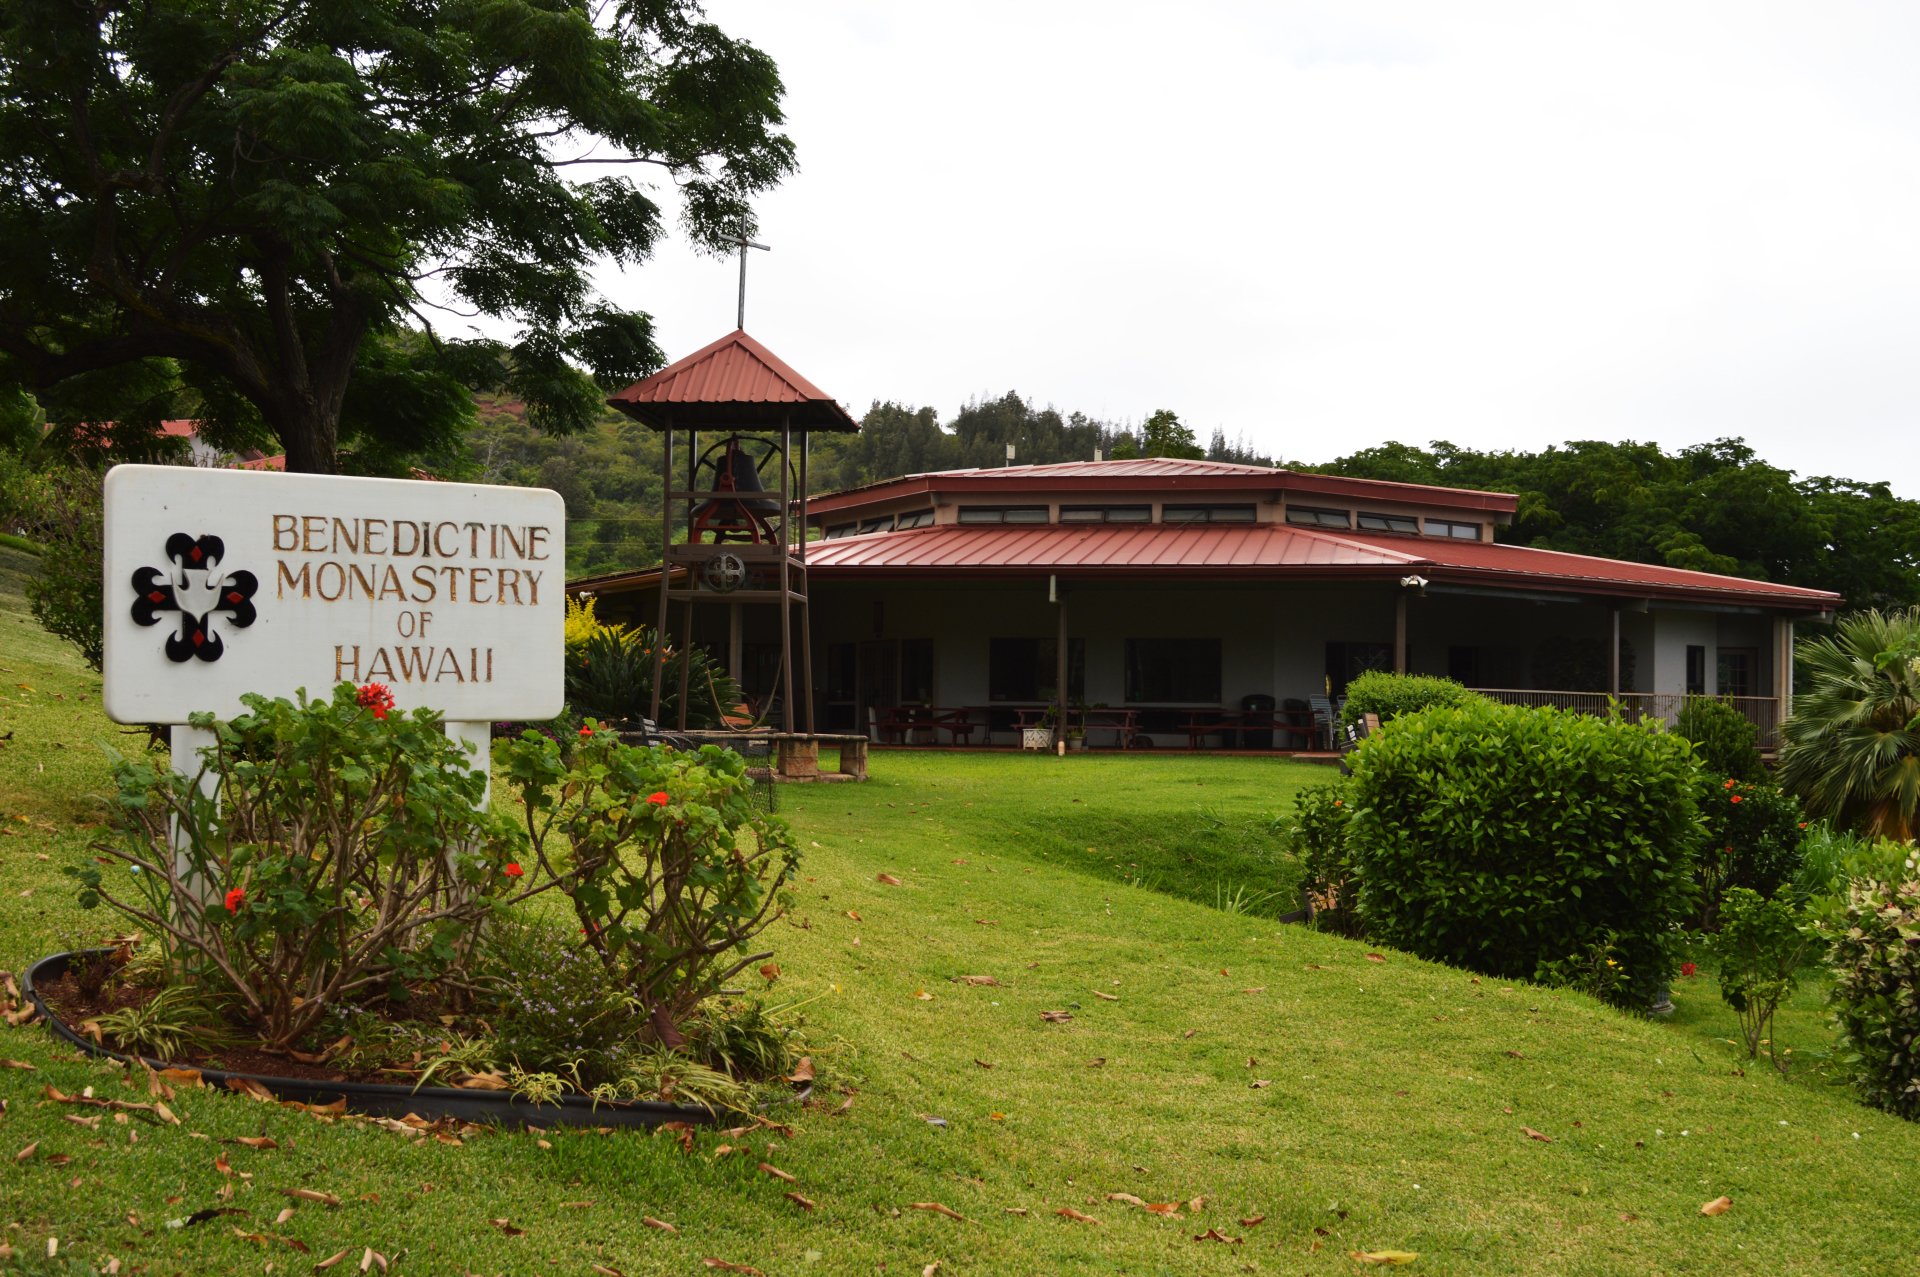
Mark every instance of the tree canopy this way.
pixel 275 195
pixel 1712 507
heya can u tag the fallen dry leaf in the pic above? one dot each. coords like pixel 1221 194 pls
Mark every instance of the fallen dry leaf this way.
pixel 1128 1198
pixel 262 1142
pixel 937 1209
pixel 1252 1221
pixel 330 1260
pixel 1259 1083
pixel 1376 957
pixel 770 972
pixel 1097 1062
pixel 804 1203
pixel 1069 1212
pixel 1106 997
pixel 251 1089
pixel 1532 1134
pixel 930 1269
pixel 507 1228
pixel 27 1152
pixel 488 1081
pixel 16 1064
pixel 855 915
pixel 976 980
pixel 1163 1208
pixel 1627 1217
pixel 311 1195
pixel 660 1224
pixel 1383 1256
pixel 1056 1017
pixel 887 879
pixel 778 1174
pixel 1215 1235
pixel 605 1271
pixel 221 1164
pixel 1718 1206
pixel 922 995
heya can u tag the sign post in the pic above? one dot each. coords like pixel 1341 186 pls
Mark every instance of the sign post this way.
pixel 224 582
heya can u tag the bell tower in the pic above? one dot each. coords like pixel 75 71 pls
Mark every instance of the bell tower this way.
pixel 736 422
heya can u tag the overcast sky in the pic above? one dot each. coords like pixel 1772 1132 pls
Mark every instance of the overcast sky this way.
pixel 1324 226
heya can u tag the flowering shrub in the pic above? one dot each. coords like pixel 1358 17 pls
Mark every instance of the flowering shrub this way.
pixel 1501 838
pixel 668 867
pixel 1753 836
pixel 1876 967
pixel 340 855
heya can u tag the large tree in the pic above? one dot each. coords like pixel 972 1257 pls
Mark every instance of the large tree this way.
pixel 275 194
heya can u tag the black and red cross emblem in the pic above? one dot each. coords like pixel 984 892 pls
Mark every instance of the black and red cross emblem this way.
pixel 200 588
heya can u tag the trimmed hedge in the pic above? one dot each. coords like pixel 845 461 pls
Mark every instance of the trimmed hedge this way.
pixel 1508 839
pixel 1725 740
pixel 1391 695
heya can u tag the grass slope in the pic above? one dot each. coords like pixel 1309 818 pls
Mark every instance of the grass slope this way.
pixel 1391 1116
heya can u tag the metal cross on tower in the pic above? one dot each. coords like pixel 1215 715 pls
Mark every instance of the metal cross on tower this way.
pixel 740 238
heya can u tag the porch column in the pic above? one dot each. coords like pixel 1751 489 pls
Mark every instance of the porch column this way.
pixel 1613 650
pixel 1060 662
pixel 1783 664
pixel 1400 632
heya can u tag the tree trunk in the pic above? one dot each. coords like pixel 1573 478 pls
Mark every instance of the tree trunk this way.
pixel 311 439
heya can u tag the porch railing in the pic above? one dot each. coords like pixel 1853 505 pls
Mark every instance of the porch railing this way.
pixel 1762 711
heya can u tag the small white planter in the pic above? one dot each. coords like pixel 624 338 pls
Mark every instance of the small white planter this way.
pixel 1040 738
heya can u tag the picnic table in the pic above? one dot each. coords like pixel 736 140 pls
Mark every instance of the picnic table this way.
pixel 922 724
pixel 1123 723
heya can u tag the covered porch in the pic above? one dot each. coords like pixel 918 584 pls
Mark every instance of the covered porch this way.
pixel 1232 664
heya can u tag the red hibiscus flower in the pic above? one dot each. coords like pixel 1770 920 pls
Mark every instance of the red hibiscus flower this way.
pixel 1687 969
pixel 377 697
pixel 586 731
pixel 659 799
pixel 1733 798
pixel 235 899
pixel 513 870
pixel 1729 784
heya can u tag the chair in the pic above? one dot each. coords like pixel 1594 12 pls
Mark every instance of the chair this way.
pixel 1325 719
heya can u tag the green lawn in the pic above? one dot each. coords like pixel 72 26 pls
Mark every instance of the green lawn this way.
pixel 1390 1108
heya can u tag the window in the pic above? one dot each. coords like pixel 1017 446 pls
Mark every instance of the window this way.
pixel 1463 665
pixel 1206 514
pixel 914 519
pixel 1106 514
pixel 1348 661
pixel 1696 670
pixel 1003 514
pixel 882 524
pixel 838 530
pixel 1172 670
pixel 1448 528
pixel 916 671
pixel 1373 521
pixel 1304 516
pixel 1737 672
pixel 1027 669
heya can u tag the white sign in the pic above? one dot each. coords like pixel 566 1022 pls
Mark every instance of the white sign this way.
pixel 221 582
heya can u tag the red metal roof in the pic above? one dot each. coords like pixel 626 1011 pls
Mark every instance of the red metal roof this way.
pixel 1273 550
pixel 735 380
pixel 1156 474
